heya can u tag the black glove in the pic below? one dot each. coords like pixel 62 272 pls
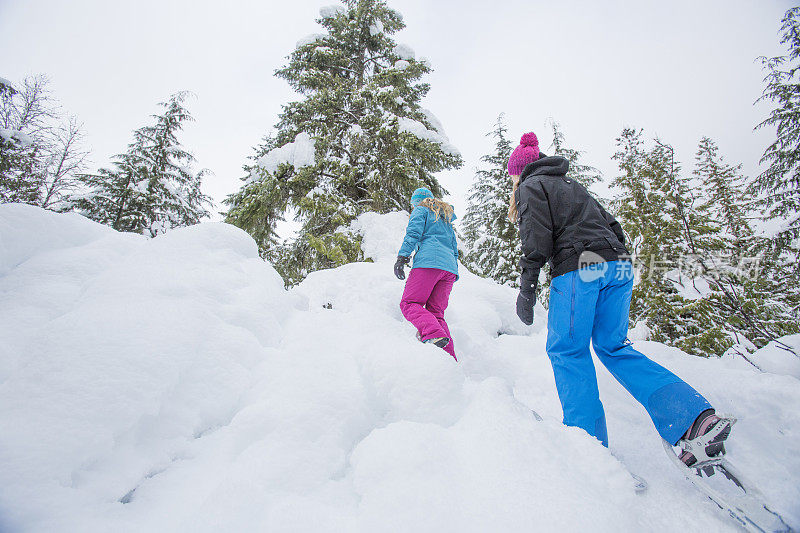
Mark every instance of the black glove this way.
pixel 401 262
pixel 527 295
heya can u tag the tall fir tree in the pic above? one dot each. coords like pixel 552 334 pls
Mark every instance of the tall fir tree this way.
pixel 777 189
pixel 372 141
pixel 152 187
pixel 491 240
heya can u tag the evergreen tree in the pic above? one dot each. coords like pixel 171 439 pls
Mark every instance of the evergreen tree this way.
pixel 372 142
pixel 777 189
pixel 779 184
pixel 732 261
pixel 491 240
pixel 584 174
pixel 152 187
pixel 637 208
pixel 657 209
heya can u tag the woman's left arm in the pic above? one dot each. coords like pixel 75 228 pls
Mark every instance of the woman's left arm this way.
pixel 536 232
pixel 536 226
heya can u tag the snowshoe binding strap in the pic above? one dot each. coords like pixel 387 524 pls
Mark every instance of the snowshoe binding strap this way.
pixel 707 447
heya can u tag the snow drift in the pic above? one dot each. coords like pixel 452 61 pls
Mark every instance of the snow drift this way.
pixel 174 385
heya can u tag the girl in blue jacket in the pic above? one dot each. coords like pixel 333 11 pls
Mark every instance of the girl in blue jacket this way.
pixel 431 235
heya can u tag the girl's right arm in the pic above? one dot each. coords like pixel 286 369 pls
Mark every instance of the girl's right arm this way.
pixel 416 225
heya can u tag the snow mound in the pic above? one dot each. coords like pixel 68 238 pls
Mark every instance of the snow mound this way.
pixel 299 153
pixel 382 234
pixel 119 352
pixel 26 231
pixel 777 359
pixel 174 385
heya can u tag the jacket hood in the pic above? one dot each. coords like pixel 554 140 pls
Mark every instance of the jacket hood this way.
pixel 547 166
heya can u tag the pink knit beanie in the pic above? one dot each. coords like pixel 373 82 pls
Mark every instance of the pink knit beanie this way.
pixel 526 152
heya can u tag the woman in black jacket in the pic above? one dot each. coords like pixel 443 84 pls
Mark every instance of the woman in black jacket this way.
pixel 590 296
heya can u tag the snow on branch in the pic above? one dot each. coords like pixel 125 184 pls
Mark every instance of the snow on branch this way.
pixel 419 129
pixel 10 135
pixel 327 12
pixel 376 27
pixel 311 38
pixel 299 153
pixel 403 51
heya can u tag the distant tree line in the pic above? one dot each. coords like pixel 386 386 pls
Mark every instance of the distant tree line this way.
pixel 151 187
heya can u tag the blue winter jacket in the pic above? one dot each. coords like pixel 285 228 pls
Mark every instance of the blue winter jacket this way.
pixel 433 240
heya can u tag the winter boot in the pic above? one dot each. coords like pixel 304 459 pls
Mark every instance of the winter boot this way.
pixel 439 342
pixel 705 439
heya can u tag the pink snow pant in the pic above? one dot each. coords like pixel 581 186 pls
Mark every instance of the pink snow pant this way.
pixel 425 300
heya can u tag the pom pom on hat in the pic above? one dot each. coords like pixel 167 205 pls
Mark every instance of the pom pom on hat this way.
pixel 526 152
pixel 529 139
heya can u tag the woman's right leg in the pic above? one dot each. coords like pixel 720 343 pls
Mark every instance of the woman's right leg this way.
pixel 419 285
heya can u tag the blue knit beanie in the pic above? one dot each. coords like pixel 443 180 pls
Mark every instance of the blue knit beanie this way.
pixel 419 195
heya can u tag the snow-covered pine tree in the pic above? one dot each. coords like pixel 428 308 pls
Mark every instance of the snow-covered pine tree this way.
pixel 721 249
pixel 152 186
pixel 656 208
pixel 777 189
pixel 358 141
pixel 638 210
pixel 586 175
pixel 696 328
pixel 731 259
pixel 491 240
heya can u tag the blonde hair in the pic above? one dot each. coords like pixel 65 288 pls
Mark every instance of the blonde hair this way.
pixel 512 201
pixel 439 208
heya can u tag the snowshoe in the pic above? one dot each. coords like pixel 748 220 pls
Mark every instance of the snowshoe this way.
pixel 721 482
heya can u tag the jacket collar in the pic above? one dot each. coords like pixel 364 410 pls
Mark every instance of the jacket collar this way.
pixel 547 166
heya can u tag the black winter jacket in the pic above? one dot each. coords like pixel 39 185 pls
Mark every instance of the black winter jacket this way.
pixel 559 219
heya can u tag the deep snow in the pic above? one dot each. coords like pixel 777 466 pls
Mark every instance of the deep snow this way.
pixel 174 385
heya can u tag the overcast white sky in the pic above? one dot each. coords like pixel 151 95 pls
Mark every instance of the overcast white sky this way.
pixel 679 69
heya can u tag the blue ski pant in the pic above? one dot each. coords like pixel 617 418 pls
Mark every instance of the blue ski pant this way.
pixel 593 303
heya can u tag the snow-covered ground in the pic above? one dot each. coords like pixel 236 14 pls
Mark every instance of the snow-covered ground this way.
pixel 174 385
